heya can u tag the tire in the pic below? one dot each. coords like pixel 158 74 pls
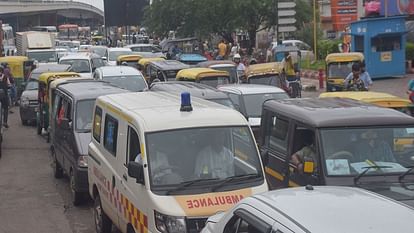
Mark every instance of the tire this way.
pixel 295 90
pixel 77 197
pixel 103 223
pixel 57 169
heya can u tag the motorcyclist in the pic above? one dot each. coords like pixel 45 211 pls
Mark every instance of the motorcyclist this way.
pixel 241 68
pixel 353 81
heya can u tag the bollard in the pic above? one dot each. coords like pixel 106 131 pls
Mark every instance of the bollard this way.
pixel 321 80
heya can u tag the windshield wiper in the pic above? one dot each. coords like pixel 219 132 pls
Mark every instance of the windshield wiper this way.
pixel 356 178
pixel 185 184
pixel 401 177
pixel 232 178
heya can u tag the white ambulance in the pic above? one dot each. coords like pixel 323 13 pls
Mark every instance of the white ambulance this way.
pixel 158 164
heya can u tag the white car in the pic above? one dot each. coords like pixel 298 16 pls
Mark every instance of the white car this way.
pixel 249 98
pixel 112 54
pixel 314 209
pixel 305 49
pixel 125 77
pixel 82 63
pixel 146 50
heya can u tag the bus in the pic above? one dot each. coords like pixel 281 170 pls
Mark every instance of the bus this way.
pixel 68 32
pixel 45 29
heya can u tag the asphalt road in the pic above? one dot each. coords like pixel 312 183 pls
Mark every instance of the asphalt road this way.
pixel 32 200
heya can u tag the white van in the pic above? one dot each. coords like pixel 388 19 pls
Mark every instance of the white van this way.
pixel 160 165
pixel 82 63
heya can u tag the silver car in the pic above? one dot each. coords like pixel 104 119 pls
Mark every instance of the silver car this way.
pixel 29 97
pixel 314 209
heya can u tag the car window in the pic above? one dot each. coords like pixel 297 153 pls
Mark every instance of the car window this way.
pixel 111 134
pixel 134 145
pixel 97 119
pixel 278 139
pixel 84 115
pixel 32 85
pixel 240 225
pixel 78 65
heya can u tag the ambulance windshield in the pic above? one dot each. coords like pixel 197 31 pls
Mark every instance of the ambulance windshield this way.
pixel 210 156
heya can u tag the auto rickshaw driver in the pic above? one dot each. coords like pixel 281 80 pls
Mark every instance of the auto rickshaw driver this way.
pixel 353 81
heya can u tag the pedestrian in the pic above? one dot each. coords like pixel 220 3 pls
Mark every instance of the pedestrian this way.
pixel 134 38
pixel 222 50
pixel 109 41
pixel 4 96
pixel 13 90
pixel 234 50
pixel 241 68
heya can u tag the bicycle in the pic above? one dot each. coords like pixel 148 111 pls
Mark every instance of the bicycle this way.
pixel 293 85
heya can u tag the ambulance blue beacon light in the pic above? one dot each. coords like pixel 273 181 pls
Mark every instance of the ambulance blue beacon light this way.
pixel 186 102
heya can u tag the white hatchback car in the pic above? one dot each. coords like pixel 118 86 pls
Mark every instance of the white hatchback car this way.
pixel 321 209
pixel 82 63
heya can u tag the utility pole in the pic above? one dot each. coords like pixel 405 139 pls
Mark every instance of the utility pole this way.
pixel 386 8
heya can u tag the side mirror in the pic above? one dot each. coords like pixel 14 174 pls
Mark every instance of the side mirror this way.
pixel 66 124
pixel 136 170
pixel 264 154
pixel 104 58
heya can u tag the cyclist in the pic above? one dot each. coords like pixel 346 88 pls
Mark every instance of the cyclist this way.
pixel 292 79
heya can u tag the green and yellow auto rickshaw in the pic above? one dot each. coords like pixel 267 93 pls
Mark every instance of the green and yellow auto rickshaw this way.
pixel 20 67
pixel 338 67
pixel 42 113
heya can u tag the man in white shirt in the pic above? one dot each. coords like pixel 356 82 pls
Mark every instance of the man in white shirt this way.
pixel 215 160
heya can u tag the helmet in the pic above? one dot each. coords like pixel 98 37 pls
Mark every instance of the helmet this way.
pixel 237 56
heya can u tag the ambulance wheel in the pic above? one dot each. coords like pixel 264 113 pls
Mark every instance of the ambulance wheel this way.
pixel 102 222
pixel 130 229
pixel 77 197
pixel 57 169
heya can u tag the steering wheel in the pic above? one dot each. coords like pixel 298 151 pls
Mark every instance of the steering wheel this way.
pixel 343 154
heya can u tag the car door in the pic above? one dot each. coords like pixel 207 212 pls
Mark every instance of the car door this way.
pixel 68 144
pixel 108 165
pixel 130 188
pixel 64 112
pixel 276 147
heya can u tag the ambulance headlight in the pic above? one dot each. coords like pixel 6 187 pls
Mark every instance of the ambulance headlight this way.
pixel 83 161
pixel 169 224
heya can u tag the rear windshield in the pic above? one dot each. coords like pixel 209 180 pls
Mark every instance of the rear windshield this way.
pixel 78 65
pixel 130 82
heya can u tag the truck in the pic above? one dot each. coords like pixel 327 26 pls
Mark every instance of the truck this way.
pixel 38 46
pixel 7 40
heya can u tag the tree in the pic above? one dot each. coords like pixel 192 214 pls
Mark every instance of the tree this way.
pixel 304 13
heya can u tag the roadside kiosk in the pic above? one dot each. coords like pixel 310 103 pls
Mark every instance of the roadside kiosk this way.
pixel 382 41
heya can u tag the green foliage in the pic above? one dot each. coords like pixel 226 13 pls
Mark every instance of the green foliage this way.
pixel 304 13
pixel 313 65
pixel 409 51
pixel 326 47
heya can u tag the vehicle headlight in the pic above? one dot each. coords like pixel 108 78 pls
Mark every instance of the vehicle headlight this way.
pixel 24 101
pixel 169 224
pixel 83 161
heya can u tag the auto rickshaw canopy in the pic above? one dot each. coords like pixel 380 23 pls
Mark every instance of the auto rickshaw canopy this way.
pixel 196 74
pixel 46 78
pixel 129 58
pixel 344 57
pixel 263 69
pixel 16 64
pixel 143 62
pixel 377 98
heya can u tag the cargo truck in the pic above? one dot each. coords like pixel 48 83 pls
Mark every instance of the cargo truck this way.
pixel 38 46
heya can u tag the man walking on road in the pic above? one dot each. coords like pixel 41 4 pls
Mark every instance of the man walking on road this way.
pixel 222 50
